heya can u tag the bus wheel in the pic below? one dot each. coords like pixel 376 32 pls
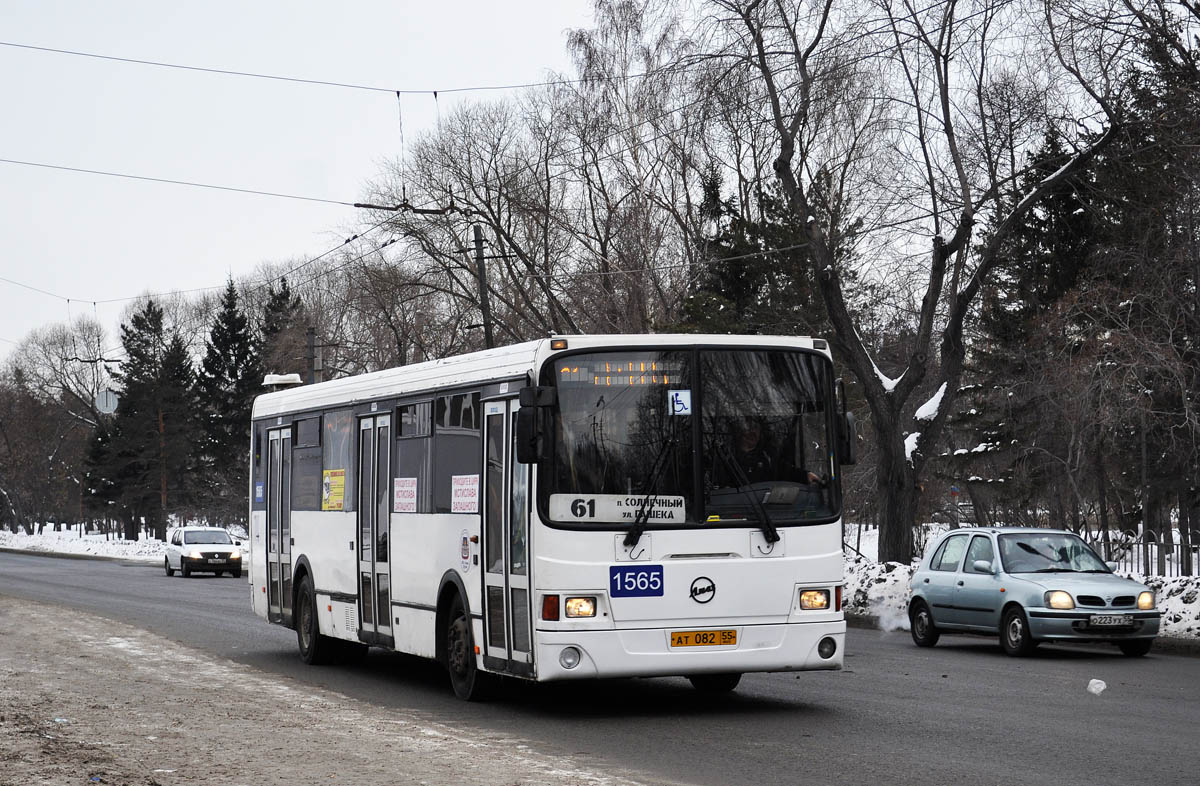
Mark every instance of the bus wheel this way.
pixel 167 566
pixel 715 683
pixel 315 649
pixel 469 684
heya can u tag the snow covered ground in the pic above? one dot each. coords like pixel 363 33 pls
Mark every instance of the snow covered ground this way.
pixel 874 589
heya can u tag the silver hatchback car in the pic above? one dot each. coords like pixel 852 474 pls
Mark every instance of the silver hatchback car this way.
pixel 1029 586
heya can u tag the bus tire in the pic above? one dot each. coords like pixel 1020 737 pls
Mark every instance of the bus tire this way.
pixel 167 567
pixel 468 682
pixel 315 649
pixel 715 683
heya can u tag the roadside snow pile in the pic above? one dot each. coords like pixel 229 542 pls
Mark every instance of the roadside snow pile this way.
pixel 92 545
pixel 878 589
pixel 1179 601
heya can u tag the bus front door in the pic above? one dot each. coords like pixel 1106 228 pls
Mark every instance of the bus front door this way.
pixel 507 609
pixel 374 517
pixel 279 530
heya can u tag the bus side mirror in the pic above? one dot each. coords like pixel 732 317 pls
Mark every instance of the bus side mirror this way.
pixel 531 443
pixel 848 449
pixel 847 439
pixel 528 435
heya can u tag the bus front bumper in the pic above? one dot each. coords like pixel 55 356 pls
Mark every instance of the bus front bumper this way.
pixel 648 652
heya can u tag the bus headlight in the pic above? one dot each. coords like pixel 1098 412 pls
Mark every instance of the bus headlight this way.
pixel 581 607
pixel 1146 600
pixel 814 599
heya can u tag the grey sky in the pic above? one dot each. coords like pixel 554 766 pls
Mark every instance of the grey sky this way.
pixel 90 239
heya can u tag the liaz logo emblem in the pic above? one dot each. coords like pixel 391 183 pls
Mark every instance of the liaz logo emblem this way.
pixel 703 589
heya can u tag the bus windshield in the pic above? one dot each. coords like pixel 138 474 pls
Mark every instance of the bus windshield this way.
pixel 692 438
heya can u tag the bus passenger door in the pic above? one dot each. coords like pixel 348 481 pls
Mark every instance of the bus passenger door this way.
pixel 374 517
pixel 279 519
pixel 507 610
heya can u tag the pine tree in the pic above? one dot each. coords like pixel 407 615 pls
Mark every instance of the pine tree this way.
pixel 154 430
pixel 757 278
pixel 283 331
pixel 230 376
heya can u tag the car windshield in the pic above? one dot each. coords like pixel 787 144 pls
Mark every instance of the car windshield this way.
pixel 701 437
pixel 1052 552
pixel 214 536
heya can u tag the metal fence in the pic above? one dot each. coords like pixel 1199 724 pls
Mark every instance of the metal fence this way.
pixel 1174 553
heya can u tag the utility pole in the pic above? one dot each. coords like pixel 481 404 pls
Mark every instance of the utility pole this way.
pixel 484 309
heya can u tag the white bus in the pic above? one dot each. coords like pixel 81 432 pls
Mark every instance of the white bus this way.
pixel 573 507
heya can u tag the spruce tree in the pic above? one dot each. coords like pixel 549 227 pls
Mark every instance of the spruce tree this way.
pixel 283 331
pixel 230 376
pixel 154 430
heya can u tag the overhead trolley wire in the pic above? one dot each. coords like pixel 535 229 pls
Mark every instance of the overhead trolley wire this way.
pixel 301 80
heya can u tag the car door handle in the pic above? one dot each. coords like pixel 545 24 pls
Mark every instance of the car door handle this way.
pixel 960 583
pixel 926 581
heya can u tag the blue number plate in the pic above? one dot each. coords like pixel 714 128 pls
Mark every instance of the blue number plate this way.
pixel 640 581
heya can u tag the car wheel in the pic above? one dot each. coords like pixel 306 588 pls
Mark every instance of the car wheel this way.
pixel 184 570
pixel 1015 637
pixel 468 682
pixel 237 574
pixel 924 632
pixel 167 567
pixel 1135 648
pixel 315 649
pixel 715 683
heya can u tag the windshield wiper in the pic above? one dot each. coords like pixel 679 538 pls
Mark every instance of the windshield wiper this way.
pixel 1057 570
pixel 739 475
pixel 643 512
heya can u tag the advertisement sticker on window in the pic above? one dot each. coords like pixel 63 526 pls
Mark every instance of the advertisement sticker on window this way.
pixel 464 493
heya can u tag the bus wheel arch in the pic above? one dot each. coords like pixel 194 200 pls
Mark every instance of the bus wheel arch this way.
pixel 451 588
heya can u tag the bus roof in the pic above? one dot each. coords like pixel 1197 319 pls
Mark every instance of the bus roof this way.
pixel 490 364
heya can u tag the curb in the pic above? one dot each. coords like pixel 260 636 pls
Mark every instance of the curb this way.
pixel 77 555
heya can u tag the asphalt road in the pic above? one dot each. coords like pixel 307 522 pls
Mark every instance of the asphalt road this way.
pixel 961 713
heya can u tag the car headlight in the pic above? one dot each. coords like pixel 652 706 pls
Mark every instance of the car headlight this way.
pixel 1057 599
pixel 814 599
pixel 235 554
pixel 580 607
pixel 193 554
pixel 1146 600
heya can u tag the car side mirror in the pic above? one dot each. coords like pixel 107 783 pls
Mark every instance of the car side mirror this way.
pixel 982 566
pixel 237 543
pixel 1112 566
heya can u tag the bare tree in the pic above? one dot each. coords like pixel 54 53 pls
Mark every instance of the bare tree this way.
pixel 958 90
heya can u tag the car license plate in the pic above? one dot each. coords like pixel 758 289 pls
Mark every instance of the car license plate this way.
pixel 1110 620
pixel 703 638
pixel 640 581
pixel 216 562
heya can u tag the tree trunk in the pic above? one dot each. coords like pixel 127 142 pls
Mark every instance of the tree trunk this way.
pixel 898 496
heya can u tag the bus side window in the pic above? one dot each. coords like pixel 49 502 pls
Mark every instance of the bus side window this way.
pixel 338 449
pixel 457 444
pixel 414 453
